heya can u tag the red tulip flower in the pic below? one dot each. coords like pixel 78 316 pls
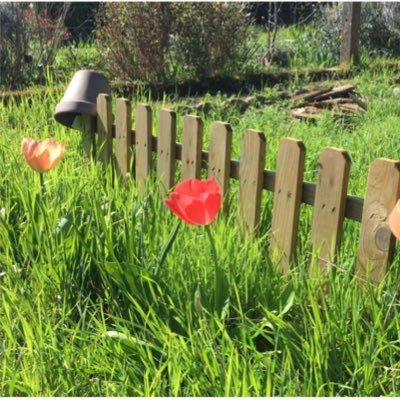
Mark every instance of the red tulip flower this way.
pixel 195 201
pixel 42 156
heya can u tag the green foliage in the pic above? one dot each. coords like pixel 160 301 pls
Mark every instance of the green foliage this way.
pixel 84 313
pixel 29 40
pixel 169 41
pixel 76 56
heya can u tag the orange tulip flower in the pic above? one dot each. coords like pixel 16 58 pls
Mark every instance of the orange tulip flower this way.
pixel 42 156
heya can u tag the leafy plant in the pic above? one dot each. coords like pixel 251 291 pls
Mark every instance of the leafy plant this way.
pixel 169 41
pixel 29 40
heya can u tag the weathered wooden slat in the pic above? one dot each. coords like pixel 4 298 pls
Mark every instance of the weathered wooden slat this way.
pixel 219 157
pixel 287 200
pixel 329 205
pixel 376 243
pixel 166 148
pixel 309 95
pixel 334 92
pixel 192 141
pixel 144 126
pixel 251 178
pixel 123 119
pixel 104 128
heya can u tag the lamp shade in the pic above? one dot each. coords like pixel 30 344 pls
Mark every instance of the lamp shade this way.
pixel 81 96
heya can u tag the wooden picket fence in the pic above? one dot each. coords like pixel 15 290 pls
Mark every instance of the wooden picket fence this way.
pixel 328 196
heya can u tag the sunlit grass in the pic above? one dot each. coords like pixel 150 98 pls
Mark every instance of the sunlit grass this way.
pixel 82 312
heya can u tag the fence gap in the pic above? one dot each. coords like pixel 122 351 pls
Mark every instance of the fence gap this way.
pixel 251 178
pixel 329 206
pixel 192 142
pixel 104 128
pixel 287 200
pixel 123 121
pixel 376 244
pixel 166 149
pixel 219 162
pixel 144 129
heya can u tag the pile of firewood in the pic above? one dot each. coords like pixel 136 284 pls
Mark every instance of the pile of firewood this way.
pixel 341 101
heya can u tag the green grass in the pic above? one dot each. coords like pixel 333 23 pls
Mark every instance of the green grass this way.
pixel 83 313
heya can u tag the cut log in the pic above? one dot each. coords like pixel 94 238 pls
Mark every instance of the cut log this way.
pixel 335 92
pixel 307 96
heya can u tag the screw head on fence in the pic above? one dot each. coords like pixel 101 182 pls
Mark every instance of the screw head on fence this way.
pixel 80 98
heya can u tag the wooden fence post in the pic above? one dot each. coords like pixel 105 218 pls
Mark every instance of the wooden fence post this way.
pixel 350 34
pixel 144 129
pixel 376 241
pixel 329 206
pixel 192 142
pixel 251 169
pixel 104 128
pixel 166 146
pixel 123 127
pixel 219 161
pixel 287 200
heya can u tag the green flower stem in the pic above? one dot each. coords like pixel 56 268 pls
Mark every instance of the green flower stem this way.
pixel 219 299
pixel 42 187
pixel 220 281
pixel 168 246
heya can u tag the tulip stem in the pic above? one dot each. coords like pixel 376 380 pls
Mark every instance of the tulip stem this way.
pixel 168 246
pixel 220 294
pixel 43 188
pixel 221 290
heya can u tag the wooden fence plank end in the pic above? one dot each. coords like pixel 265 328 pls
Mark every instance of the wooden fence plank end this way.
pixel 251 178
pixel 166 146
pixel 104 128
pixel 192 142
pixel 144 129
pixel 376 245
pixel 123 127
pixel 329 205
pixel 287 200
pixel 219 161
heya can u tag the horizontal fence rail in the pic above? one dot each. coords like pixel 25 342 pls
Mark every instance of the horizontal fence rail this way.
pixel 354 204
pixel 329 198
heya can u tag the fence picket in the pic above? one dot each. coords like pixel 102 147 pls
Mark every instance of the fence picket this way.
pixel 166 148
pixel 144 127
pixel 287 200
pixel 219 161
pixel 329 205
pixel 123 120
pixel 104 128
pixel 192 141
pixel 328 197
pixel 376 245
pixel 251 178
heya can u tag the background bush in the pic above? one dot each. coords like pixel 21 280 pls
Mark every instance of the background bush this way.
pixel 169 41
pixel 30 35
pixel 379 32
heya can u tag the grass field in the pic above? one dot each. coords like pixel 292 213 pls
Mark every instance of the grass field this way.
pixel 83 311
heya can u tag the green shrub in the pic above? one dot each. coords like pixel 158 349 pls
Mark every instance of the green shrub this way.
pixel 30 35
pixel 379 31
pixel 169 41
